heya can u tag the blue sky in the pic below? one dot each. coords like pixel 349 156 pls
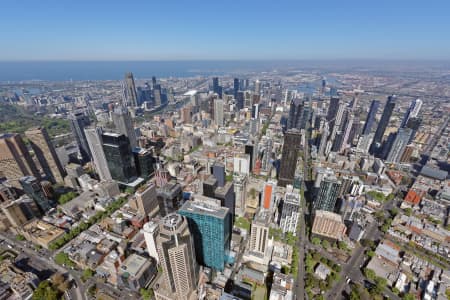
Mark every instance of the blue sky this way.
pixel 230 30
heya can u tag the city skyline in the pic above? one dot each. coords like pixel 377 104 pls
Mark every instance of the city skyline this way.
pixel 220 31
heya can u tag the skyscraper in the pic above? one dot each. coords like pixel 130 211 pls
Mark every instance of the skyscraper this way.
pixel 227 197
pixel 376 146
pixel 211 226
pixel 151 232
pixel 46 154
pixel 398 146
pixel 412 112
pixel 295 114
pixel 235 87
pixel 268 196
pixel 176 253
pixel 347 127
pixel 218 112
pixel 119 157
pixel 124 124
pixel 144 161
pixel 291 146
pixel 79 121
pixel 328 193
pixel 218 171
pixel 33 189
pixel 216 87
pixel 15 161
pixel 240 100
pixel 94 139
pixel 251 150
pixel 290 211
pixel 257 87
pixel 259 235
pixel 333 109
pixel 371 117
pixel 130 90
pixel 146 200
pixel 323 139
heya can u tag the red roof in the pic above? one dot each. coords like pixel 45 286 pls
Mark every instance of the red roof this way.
pixel 413 197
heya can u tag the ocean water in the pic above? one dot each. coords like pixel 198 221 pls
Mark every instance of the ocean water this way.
pixel 104 70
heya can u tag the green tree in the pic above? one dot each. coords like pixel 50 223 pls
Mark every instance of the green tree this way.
pixel 408 211
pixel 370 253
pixel 20 237
pixel 342 245
pixel 87 273
pixel 46 290
pixel 146 294
pixel 409 296
pixel 326 244
pixel 370 274
pixel 315 241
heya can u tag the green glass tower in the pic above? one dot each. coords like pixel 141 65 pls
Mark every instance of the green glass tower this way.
pixel 211 228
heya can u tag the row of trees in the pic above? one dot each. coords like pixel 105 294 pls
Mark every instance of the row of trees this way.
pixel 74 232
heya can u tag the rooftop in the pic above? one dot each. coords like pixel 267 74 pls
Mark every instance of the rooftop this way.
pixel 203 208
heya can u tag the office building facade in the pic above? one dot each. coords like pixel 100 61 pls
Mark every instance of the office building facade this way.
pixel 176 253
pixel 46 154
pixel 328 193
pixel 15 160
pixel 124 124
pixel 377 143
pixel 211 226
pixel 78 122
pixel 119 157
pixel 291 146
pixel 94 139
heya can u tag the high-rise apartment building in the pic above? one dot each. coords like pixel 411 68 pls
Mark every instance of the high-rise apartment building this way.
pixel 211 226
pixel 130 90
pixel 124 124
pixel 94 140
pixel 295 114
pixel 290 211
pixel 291 146
pixel 15 160
pixel 268 195
pixel 240 190
pixel 401 140
pixel 119 157
pixel 377 142
pixel 46 154
pixel 151 232
pixel 333 109
pixel 78 122
pixel 176 254
pixel 370 120
pixel 259 233
pixel 412 112
pixel 241 163
pixel 328 193
pixel 218 112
